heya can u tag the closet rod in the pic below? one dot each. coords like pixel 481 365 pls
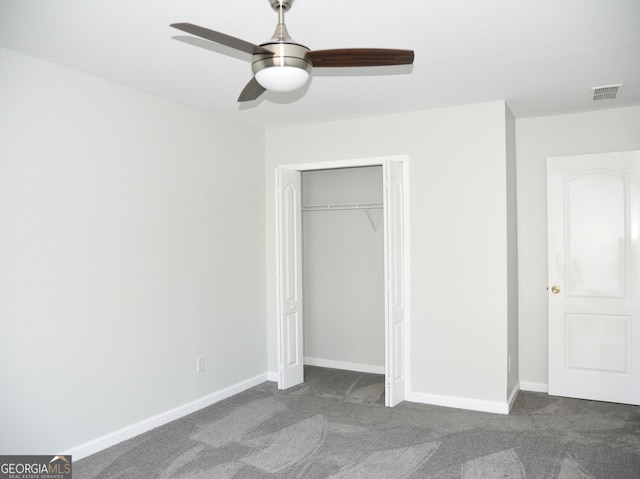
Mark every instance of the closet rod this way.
pixel 342 206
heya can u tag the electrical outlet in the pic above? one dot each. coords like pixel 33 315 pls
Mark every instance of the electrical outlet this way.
pixel 200 364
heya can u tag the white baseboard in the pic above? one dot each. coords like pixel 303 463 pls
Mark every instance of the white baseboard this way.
pixel 329 363
pixel 272 376
pixel 153 422
pixel 534 387
pixel 460 402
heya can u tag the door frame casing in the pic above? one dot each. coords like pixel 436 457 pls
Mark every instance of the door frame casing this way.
pixel 354 163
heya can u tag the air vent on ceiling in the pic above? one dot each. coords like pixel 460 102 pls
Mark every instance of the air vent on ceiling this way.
pixel 608 92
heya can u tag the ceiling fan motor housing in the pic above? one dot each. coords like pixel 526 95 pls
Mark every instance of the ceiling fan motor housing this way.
pixel 284 54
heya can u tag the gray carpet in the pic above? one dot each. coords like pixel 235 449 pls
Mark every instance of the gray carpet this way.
pixel 335 425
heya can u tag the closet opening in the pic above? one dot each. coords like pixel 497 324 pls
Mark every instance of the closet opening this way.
pixel 342 271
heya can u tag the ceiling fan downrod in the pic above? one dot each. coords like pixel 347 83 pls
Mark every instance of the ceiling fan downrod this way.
pixel 281 34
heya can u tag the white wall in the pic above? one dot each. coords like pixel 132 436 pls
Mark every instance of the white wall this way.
pixel 536 139
pixel 512 255
pixel 343 270
pixel 123 256
pixel 458 237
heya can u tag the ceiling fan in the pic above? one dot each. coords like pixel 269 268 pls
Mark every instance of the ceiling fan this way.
pixel 283 65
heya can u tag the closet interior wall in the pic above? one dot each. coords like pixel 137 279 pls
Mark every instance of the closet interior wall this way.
pixel 343 264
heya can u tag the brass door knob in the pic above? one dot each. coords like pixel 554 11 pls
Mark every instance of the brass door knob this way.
pixel 555 289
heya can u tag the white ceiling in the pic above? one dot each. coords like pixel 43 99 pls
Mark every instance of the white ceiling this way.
pixel 542 56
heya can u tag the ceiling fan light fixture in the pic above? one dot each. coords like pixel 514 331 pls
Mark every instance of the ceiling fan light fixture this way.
pixel 282 78
pixel 287 69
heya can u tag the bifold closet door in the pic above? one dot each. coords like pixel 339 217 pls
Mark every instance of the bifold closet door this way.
pixel 289 279
pixel 394 251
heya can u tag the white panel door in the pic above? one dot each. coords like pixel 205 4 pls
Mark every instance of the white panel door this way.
pixel 594 289
pixel 394 251
pixel 289 281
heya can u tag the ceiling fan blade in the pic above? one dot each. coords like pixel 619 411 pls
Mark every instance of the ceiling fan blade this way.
pixel 252 91
pixel 360 57
pixel 221 38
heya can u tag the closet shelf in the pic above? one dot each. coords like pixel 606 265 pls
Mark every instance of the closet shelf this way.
pixel 347 206
pixel 342 206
